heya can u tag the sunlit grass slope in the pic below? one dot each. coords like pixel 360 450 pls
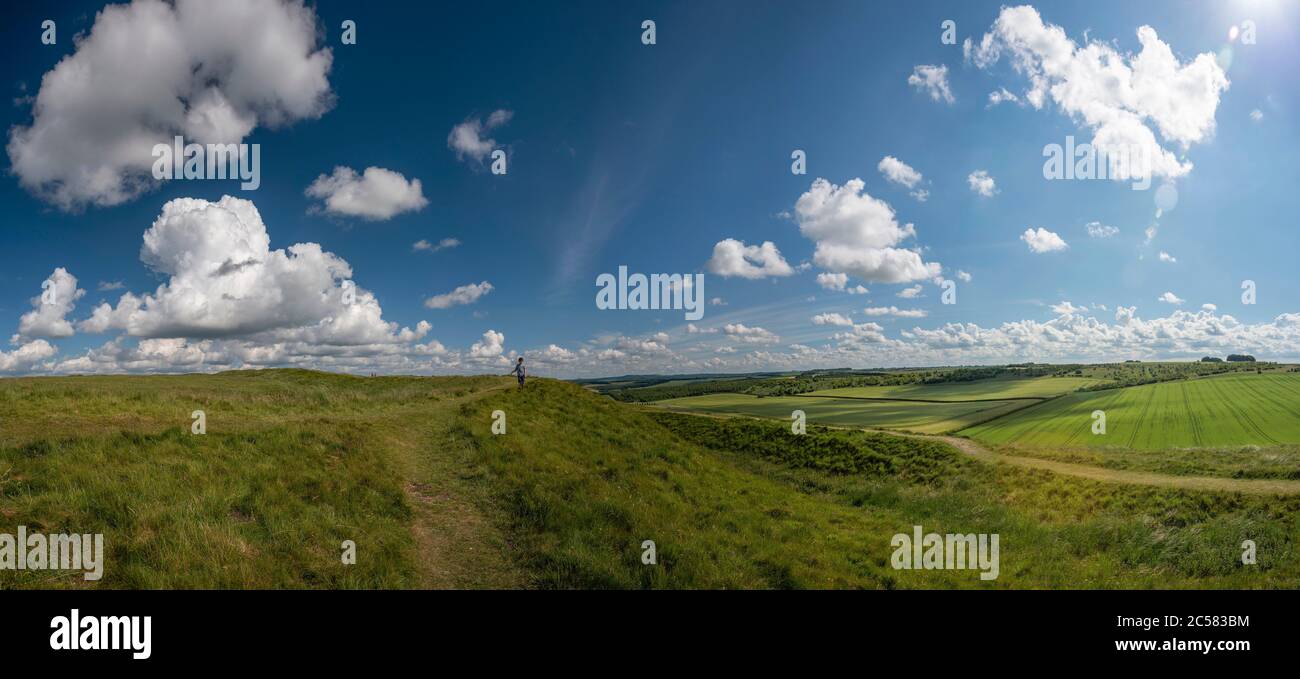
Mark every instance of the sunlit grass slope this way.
pixel 292 464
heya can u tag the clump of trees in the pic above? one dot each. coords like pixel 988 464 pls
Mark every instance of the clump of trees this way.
pixel 659 393
pixel 807 382
pixel 1211 359
pixel 1241 358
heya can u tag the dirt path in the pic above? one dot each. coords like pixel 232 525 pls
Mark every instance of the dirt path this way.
pixel 460 544
pixel 1208 483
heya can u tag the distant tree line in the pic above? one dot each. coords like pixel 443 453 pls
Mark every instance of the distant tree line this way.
pixel 804 384
pixel 659 393
pixel 1131 374
pixel 1111 376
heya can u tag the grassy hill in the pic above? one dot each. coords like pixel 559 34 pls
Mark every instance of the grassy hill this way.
pixel 294 462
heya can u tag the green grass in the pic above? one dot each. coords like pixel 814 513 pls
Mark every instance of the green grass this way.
pixel 292 464
pixel 1240 462
pixel 1231 411
pixel 901 415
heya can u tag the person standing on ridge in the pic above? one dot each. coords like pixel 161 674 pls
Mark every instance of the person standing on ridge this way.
pixel 519 370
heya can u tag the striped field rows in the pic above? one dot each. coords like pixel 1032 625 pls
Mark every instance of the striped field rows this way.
pixel 1221 411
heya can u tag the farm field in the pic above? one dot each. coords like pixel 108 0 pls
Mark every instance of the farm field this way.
pixel 998 388
pixel 917 416
pixel 1223 411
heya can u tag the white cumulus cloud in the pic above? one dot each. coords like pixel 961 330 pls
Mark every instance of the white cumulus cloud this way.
pixel 832 281
pixel 1041 240
pixel 426 246
pixel 831 319
pixel 750 334
pixel 1099 230
pixel 26 356
pixel 1000 95
pixel 222 280
pixel 147 71
pixel 1123 98
pixel 895 311
pixel 48 317
pixel 465 294
pixel 902 174
pixel 490 346
pixel 733 258
pixel 467 138
pixel 857 234
pixel 1170 298
pixel 376 194
pixel 981 183
pixel 932 80
pixel 1065 307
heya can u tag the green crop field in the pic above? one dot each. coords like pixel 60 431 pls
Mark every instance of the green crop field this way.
pixel 1227 410
pixel 1036 387
pixel 915 416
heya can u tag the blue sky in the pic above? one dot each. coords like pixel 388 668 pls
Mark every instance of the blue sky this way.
pixel 621 153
